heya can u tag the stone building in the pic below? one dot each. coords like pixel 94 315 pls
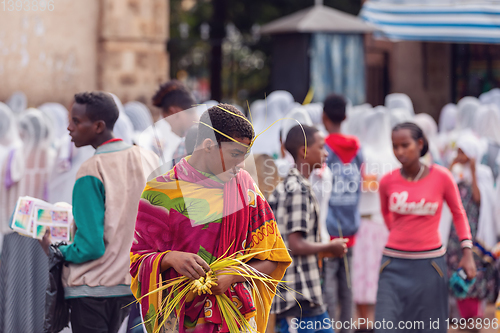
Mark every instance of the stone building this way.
pixel 432 74
pixel 420 70
pixel 110 45
pixel 442 50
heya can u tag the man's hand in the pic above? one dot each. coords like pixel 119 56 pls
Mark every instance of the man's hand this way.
pixel 45 241
pixel 224 281
pixel 188 264
pixel 338 247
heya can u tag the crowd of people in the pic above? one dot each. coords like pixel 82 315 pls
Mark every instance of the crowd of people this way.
pixel 378 207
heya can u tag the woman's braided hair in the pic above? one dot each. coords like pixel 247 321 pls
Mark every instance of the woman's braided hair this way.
pixel 416 133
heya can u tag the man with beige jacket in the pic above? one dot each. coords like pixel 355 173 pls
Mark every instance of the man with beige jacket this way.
pixel 106 195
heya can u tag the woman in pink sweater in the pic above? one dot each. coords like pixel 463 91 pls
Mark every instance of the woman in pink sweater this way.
pixel 413 284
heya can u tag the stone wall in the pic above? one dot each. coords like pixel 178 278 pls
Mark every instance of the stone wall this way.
pixel 111 45
pixel 423 72
pixel 132 47
pixel 49 55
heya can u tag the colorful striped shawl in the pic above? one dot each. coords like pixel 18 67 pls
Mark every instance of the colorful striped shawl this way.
pixel 184 210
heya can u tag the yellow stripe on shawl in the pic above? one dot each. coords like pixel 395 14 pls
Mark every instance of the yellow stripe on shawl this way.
pixel 278 254
pixel 155 281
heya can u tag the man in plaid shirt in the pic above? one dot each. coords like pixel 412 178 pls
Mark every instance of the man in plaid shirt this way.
pixel 297 214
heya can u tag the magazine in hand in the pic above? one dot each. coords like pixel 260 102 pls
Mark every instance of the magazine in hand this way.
pixel 33 217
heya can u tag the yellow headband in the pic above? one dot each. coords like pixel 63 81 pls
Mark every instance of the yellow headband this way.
pixel 253 129
pixel 227 136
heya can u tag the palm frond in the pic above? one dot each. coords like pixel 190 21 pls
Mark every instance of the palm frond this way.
pixel 235 264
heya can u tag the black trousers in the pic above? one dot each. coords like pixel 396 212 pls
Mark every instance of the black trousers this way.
pixel 99 314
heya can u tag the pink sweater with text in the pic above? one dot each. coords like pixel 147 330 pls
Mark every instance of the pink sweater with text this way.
pixel 412 210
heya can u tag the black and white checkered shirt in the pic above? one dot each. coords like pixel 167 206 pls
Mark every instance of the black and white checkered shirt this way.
pixel 296 209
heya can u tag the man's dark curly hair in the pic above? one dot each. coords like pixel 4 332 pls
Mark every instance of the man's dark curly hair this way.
pixel 173 93
pixel 99 106
pixel 334 108
pixel 295 139
pixel 223 121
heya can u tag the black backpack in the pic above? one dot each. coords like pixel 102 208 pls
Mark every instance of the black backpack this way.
pixel 56 308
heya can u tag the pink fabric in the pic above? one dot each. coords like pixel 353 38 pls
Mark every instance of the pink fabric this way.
pixel 160 228
pixel 412 210
pixel 366 259
pixel 470 308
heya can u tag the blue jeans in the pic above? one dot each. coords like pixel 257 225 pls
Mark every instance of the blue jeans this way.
pixel 316 324
pixel 336 289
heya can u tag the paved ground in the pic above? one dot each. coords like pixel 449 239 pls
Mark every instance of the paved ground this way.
pixel 490 314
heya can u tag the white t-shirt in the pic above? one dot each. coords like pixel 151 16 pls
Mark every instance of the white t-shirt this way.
pixel 162 140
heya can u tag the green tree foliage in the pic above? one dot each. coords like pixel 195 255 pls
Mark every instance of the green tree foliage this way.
pixel 246 59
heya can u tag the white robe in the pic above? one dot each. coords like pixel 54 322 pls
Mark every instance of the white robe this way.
pixel 488 224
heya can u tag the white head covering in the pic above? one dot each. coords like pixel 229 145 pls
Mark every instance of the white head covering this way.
pixel 139 115
pixel 18 102
pixel 470 144
pixel 315 111
pixel 34 129
pixel 39 156
pixel 430 129
pixel 58 117
pixel 488 123
pixel 353 125
pixel 11 166
pixel 6 121
pixel 451 129
pixel 377 137
pixel 259 116
pixel 349 105
pixel 399 115
pixel 427 124
pixel 365 106
pixel 399 101
pixel 7 126
pixel 300 115
pixel 123 128
pixel 279 103
pixel 377 145
pixel 10 144
pixel 487 228
pixel 480 112
pixel 258 109
pixel 448 118
pixel 378 158
pixel 491 97
pixel 467 109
